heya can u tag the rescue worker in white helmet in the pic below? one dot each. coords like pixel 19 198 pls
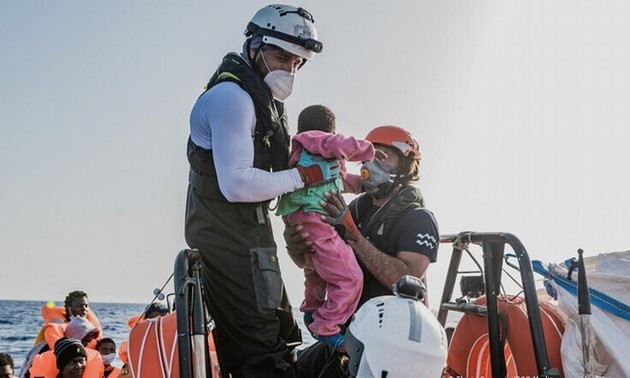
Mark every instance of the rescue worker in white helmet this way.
pixel 396 336
pixel 388 228
pixel 238 154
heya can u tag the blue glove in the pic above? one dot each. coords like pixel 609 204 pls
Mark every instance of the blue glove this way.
pixel 315 169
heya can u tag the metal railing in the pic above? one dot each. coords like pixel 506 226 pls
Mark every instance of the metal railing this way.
pixel 493 247
pixel 191 319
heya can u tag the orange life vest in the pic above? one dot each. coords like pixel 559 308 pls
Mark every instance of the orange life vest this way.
pixel 151 349
pixel 55 331
pixel 57 315
pixel 45 365
pixel 469 352
pixel 115 372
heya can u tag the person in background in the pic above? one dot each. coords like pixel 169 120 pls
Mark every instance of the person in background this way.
pixel 107 348
pixel 238 153
pixel 388 228
pixel 76 304
pixel 333 278
pixel 70 358
pixel 155 310
pixel 152 311
pixel 7 368
pixel 80 329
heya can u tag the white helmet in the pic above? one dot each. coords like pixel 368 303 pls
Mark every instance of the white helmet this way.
pixel 395 337
pixel 288 27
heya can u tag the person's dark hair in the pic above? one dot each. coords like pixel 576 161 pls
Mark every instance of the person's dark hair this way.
pixel 410 167
pixel 71 297
pixel 316 117
pixel 103 341
pixel 5 359
pixel 155 309
pixel 74 295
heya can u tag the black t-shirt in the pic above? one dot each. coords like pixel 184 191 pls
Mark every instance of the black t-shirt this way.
pixel 414 230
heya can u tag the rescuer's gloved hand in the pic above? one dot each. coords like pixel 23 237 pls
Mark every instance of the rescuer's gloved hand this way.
pixel 340 217
pixel 298 243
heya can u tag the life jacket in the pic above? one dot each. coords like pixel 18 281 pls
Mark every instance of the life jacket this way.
pixel 133 320
pixel 151 349
pixel 55 331
pixel 57 315
pixel 114 372
pixel 38 349
pixel 271 136
pixel 45 365
pixel 479 363
pixel 469 350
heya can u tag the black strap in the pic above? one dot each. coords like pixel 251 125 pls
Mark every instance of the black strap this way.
pixel 308 43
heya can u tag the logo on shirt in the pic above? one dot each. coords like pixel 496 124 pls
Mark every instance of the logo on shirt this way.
pixel 426 239
pixel 381 229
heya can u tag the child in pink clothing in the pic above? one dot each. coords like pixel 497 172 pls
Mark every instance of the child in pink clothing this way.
pixel 333 278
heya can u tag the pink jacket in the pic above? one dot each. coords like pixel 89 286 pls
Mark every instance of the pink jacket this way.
pixel 335 146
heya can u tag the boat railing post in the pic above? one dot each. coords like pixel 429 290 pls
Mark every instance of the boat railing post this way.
pixel 183 290
pixel 200 350
pixel 451 276
pixel 493 245
pixel 492 258
pixel 531 300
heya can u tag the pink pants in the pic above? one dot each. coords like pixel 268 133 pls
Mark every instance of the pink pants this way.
pixel 333 278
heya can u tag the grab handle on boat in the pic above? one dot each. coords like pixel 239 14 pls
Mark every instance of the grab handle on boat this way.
pixel 190 315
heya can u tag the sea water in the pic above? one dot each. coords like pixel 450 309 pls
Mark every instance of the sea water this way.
pixel 20 321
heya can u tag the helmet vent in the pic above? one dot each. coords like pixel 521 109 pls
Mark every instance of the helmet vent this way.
pixel 380 308
pixel 415 322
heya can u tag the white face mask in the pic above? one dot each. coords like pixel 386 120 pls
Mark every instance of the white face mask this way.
pixel 108 358
pixel 280 83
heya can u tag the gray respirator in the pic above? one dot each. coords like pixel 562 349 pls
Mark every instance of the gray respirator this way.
pixel 377 181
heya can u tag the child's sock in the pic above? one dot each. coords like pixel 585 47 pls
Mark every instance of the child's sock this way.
pixel 335 340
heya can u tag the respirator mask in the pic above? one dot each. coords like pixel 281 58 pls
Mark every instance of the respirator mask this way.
pixel 376 178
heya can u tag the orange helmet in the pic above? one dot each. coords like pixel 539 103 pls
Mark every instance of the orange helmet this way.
pixel 396 137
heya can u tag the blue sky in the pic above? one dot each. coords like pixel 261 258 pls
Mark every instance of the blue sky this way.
pixel 521 110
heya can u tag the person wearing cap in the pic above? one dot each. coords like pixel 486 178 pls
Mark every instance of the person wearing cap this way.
pixel 79 327
pixel 238 153
pixel 70 358
pixel 82 331
pixel 388 228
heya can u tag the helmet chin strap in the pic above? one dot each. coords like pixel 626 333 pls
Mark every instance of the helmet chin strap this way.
pixel 384 190
pixel 387 188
